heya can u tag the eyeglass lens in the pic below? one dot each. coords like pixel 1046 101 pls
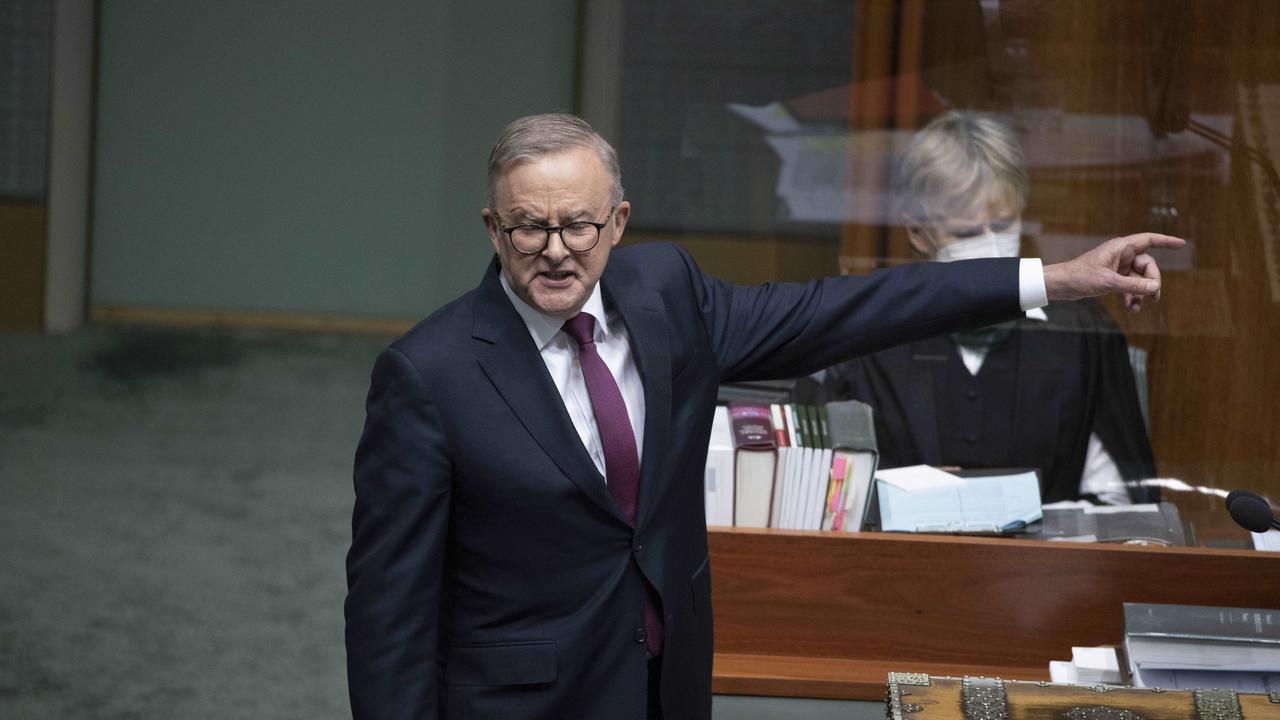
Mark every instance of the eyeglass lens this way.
pixel 579 236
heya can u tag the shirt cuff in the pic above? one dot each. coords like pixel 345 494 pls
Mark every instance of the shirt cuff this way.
pixel 1031 292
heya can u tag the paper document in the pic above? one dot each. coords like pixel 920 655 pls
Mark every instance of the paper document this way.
pixel 1269 540
pixel 926 502
pixel 1116 509
pixel 918 477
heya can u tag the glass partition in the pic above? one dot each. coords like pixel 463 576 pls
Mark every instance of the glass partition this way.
pixel 770 139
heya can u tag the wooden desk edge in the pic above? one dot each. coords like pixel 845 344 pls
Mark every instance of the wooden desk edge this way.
pixel 726 533
pixel 834 678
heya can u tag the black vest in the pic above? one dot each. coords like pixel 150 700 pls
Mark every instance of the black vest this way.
pixel 976 413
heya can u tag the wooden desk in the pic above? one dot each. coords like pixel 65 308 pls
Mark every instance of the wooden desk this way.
pixel 828 615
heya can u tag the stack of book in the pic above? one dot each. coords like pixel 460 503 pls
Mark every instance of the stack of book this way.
pixel 1196 646
pixel 790 466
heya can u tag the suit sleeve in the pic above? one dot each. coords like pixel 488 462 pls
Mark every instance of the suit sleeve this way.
pixel 395 567
pixel 782 330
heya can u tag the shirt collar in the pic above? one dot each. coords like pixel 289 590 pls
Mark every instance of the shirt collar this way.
pixel 543 327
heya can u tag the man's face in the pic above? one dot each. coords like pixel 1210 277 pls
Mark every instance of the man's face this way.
pixel 555 190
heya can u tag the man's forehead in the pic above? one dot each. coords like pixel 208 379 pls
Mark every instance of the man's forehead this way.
pixel 570 181
pixel 576 161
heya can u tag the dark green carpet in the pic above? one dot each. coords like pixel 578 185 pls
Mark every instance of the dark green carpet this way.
pixel 174 511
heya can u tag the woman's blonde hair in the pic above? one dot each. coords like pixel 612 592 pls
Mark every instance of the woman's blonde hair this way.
pixel 957 162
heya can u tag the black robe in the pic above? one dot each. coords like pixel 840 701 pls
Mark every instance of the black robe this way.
pixel 1040 392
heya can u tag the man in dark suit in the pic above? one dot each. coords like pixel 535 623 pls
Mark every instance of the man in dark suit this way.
pixel 528 533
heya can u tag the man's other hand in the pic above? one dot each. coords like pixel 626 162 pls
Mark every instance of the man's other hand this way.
pixel 1119 265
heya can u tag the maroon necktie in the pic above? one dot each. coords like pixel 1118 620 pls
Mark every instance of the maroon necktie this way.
pixel 621 461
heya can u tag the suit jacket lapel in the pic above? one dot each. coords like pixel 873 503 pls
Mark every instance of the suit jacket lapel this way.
pixel 643 312
pixel 515 367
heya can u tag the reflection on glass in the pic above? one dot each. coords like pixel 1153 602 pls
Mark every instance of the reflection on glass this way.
pixel 771 159
pixel 1053 390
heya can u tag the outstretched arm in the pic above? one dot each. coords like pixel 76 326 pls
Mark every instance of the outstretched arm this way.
pixel 1120 265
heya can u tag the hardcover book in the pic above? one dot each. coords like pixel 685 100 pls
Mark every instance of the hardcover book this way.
pixel 755 460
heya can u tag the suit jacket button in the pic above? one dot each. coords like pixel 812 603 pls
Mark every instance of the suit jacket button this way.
pixel 638 548
pixel 640 635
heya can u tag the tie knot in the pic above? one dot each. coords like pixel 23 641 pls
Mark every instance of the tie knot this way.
pixel 581 328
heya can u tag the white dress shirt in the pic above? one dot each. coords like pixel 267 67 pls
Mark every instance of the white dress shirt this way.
pixel 560 353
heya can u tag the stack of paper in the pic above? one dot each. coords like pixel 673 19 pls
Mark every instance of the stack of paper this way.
pixel 921 498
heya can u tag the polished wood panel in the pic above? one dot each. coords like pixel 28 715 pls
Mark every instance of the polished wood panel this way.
pixel 1151 78
pixel 1172 65
pixel 1216 395
pixel 828 614
pixel 22 264
pixel 871 106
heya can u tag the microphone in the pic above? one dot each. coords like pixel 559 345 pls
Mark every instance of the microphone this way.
pixel 1251 511
pixel 1231 496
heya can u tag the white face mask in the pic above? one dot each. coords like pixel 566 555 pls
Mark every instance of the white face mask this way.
pixel 987 245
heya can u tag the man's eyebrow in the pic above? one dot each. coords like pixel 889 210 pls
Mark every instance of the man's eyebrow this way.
pixel 522 216
pixel 525 216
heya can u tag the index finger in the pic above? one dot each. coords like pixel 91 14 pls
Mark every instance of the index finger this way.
pixel 1141 242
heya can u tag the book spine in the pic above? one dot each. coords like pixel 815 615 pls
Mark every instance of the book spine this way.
pixel 783 441
pixel 787 515
pixel 779 426
pixel 833 518
pixel 752 428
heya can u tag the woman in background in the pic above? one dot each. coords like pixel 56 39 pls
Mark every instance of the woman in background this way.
pixel 1053 390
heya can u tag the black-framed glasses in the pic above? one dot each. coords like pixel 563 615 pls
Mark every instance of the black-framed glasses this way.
pixel 579 237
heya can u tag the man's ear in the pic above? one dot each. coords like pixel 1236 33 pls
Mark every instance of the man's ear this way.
pixel 620 217
pixel 491 226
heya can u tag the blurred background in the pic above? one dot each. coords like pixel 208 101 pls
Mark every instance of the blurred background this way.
pixel 213 215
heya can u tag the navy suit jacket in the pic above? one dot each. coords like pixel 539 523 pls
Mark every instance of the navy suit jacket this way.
pixel 491 575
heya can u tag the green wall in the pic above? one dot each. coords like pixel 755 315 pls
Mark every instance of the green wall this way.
pixel 320 156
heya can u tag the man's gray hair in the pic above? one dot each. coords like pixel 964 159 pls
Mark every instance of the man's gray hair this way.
pixel 533 136
pixel 958 161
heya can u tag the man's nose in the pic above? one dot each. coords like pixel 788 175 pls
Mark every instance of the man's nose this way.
pixel 555 250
